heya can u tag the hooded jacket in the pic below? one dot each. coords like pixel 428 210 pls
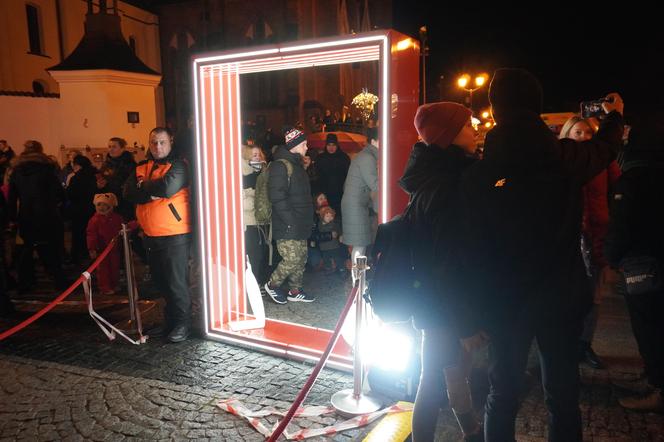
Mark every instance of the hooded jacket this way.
pixel 116 171
pixel 432 178
pixel 522 207
pixel 332 169
pixel 292 208
pixel 35 197
pixel 637 204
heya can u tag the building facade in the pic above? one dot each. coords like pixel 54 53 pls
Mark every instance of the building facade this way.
pixel 41 34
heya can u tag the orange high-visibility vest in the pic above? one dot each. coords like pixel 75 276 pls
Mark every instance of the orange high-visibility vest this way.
pixel 165 216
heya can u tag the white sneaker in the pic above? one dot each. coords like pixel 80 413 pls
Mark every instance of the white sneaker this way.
pixel 275 294
pixel 300 297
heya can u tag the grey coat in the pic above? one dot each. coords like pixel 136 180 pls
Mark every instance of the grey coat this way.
pixel 358 209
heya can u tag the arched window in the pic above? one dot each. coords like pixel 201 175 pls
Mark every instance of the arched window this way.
pixel 132 44
pixel 38 87
pixel 34 29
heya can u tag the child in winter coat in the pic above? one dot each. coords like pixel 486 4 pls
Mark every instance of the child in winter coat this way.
pixel 314 258
pixel 329 234
pixel 102 228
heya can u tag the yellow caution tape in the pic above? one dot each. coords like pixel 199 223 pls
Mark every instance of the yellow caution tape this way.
pixel 393 428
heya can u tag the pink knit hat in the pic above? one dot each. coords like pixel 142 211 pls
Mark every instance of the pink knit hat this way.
pixel 440 123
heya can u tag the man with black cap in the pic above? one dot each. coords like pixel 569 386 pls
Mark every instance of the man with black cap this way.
pixel 523 208
pixel 292 211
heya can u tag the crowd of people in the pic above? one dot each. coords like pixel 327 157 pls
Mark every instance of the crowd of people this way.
pixel 520 245
pixel 506 237
pixel 39 198
pixel 323 210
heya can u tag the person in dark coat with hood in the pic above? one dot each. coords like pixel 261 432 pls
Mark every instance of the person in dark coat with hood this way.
pixel 636 231
pixel 332 166
pixel 292 212
pixel 524 270
pixel 431 178
pixel 81 191
pixel 113 174
pixel 35 202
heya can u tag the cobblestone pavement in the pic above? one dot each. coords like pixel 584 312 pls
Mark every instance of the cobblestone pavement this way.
pixel 62 380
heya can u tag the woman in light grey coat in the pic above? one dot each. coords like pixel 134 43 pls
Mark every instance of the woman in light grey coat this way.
pixel 359 206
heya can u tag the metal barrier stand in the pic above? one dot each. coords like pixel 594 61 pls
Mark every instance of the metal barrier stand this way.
pixel 132 289
pixel 353 402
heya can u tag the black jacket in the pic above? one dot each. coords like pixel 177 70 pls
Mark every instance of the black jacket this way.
pixel 292 208
pixel 81 192
pixel 522 208
pixel 116 171
pixel 332 170
pixel 168 185
pixel 36 197
pixel 431 178
pixel 636 224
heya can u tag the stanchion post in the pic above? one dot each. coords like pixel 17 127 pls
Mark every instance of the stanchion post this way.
pixel 130 284
pixel 139 321
pixel 353 402
pixel 132 289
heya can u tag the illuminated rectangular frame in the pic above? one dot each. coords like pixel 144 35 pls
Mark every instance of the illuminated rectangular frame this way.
pixel 218 170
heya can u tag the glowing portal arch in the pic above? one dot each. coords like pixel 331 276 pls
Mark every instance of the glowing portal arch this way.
pixel 219 178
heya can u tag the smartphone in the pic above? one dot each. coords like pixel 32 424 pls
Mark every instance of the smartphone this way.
pixel 590 109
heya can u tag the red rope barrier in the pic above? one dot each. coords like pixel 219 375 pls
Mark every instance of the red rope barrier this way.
pixel 314 374
pixel 62 296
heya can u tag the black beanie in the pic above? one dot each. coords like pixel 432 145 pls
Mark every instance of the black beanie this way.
pixel 515 89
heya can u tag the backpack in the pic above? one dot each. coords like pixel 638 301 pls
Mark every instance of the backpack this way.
pixel 262 204
pixel 398 278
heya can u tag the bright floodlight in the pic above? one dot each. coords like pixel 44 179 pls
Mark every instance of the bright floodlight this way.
pixel 387 348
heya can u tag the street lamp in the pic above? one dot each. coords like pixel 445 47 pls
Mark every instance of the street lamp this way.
pixel 424 52
pixel 464 82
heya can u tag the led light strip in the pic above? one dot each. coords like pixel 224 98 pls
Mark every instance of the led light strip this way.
pixel 332 43
pixel 218 99
pixel 228 98
pixel 315 55
pixel 335 57
pixel 238 122
pixel 199 179
pixel 215 162
pixel 385 123
pixel 236 269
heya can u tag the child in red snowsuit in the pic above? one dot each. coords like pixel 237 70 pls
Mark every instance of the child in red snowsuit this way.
pixel 102 228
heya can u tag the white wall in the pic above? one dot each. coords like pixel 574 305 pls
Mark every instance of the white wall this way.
pixel 95 112
pixel 30 118
pixel 88 113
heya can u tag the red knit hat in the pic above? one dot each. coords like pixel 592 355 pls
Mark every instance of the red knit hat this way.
pixel 440 123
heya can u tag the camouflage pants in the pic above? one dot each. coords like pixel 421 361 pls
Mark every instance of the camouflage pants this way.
pixel 294 254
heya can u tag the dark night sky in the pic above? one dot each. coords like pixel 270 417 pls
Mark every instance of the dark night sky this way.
pixel 578 54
